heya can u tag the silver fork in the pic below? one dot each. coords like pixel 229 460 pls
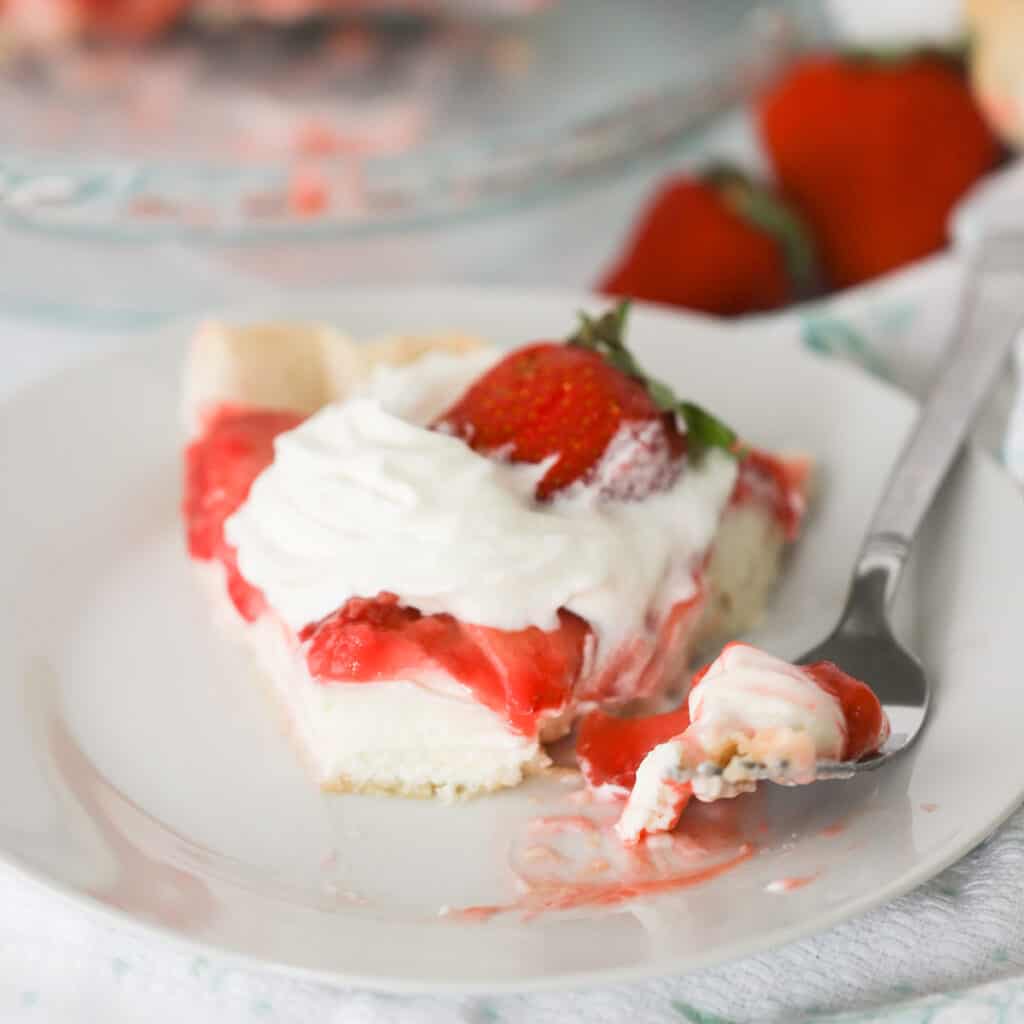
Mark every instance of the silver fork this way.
pixel 863 643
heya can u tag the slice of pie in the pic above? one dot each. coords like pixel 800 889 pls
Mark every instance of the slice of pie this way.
pixel 441 555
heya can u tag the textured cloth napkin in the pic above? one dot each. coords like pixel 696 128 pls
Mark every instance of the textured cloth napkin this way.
pixel 951 951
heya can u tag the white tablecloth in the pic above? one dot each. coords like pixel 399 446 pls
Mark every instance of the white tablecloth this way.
pixel 953 950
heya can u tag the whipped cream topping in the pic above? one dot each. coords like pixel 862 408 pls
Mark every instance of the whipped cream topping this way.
pixel 361 499
pixel 659 794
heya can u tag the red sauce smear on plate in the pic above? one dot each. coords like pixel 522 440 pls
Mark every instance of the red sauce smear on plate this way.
pixel 573 896
pixel 582 876
pixel 790 884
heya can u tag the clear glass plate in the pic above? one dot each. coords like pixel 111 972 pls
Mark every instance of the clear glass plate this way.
pixel 339 129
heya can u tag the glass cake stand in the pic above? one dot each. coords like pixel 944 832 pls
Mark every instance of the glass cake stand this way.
pixel 355 149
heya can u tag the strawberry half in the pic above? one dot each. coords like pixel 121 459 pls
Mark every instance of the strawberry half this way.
pixel 575 403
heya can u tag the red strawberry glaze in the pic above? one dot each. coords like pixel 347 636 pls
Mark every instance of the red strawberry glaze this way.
pixel 610 749
pixel 520 674
pixel 587 866
pixel 641 667
pixel 235 446
pixel 525 675
pixel 576 895
pixel 866 725
pixel 779 483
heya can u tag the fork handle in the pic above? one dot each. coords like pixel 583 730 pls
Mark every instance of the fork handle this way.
pixel 991 315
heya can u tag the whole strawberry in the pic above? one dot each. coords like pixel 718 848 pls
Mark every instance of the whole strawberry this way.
pixel 585 406
pixel 874 153
pixel 714 243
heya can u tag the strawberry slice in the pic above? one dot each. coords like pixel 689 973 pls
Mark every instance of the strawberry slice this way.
pixel 535 670
pixel 586 405
pixel 518 673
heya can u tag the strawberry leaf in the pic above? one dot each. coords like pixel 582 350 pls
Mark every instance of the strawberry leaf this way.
pixel 605 335
pixel 761 208
pixel 664 397
pixel 707 430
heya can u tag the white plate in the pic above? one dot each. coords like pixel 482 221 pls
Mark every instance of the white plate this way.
pixel 141 769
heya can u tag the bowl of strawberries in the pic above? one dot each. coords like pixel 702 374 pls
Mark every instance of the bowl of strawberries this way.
pixel 865 149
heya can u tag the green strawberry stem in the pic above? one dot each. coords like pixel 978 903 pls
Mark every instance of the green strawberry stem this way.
pixel 605 335
pixel 760 207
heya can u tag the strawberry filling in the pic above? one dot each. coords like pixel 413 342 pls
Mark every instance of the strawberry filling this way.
pixel 520 674
pixel 236 445
pixel 639 668
pixel 610 749
pixel 866 724
pixel 779 484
